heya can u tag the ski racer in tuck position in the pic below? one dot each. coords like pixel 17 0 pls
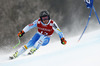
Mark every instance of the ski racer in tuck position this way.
pixel 46 28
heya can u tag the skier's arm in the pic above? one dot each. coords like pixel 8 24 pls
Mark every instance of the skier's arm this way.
pixel 59 32
pixel 30 26
pixel 27 28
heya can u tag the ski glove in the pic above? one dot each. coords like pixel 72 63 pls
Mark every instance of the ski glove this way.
pixel 63 41
pixel 20 34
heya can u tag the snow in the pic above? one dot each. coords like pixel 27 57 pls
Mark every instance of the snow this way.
pixel 74 53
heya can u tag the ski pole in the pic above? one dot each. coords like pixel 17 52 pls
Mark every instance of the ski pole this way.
pixel 96 14
pixel 86 25
pixel 17 43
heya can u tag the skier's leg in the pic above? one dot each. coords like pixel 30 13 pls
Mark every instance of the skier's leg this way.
pixel 43 40
pixel 35 47
pixel 25 47
pixel 19 52
pixel 46 41
pixel 33 40
pixel 37 44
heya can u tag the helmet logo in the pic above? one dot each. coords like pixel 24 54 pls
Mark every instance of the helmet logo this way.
pixel 44 13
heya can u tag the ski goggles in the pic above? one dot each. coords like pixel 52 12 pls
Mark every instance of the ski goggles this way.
pixel 45 18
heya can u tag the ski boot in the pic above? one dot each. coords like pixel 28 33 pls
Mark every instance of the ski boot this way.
pixel 14 55
pixel 32 51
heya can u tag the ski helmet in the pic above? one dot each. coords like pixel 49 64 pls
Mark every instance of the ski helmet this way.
pixel 44 14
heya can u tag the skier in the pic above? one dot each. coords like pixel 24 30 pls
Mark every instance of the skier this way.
pixel 46 28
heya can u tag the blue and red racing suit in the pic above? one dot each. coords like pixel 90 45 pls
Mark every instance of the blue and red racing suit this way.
pixel 45 31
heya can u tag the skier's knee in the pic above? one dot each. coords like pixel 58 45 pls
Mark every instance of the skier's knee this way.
pixel 25 47
pixel 40 42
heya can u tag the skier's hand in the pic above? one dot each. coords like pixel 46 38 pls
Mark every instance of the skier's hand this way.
pixel 20 34
pixel 63 41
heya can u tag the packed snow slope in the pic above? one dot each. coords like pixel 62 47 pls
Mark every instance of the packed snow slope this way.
pixel 74 53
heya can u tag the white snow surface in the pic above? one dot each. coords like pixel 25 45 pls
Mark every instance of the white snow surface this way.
pixel 74 53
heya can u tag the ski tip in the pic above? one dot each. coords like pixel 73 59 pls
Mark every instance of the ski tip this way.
pixel 10 58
